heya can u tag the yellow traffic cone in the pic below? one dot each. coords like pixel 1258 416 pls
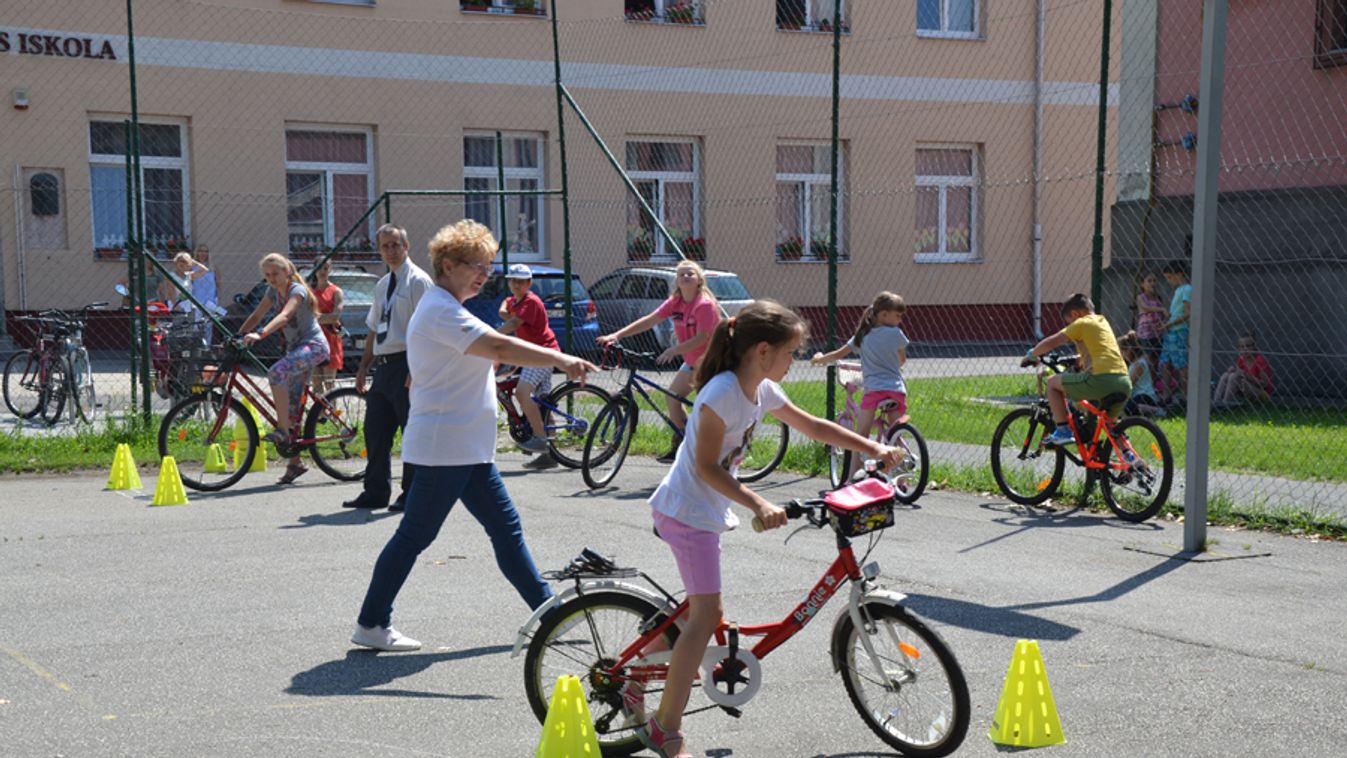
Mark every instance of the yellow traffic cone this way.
pixel 168 490
pixel 240 445
pixel 1026 716
pixel 215 460
pixel 568 730
pixel 124 475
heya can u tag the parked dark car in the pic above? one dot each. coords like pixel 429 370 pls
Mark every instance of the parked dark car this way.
pixel 550 284
pixel 629 293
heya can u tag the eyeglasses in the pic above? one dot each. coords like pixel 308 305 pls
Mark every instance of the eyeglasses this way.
pixel 481 268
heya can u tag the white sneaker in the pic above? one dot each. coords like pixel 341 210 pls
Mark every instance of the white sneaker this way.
pixel 383 638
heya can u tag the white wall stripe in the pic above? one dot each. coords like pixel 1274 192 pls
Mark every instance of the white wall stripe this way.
pixel 455 69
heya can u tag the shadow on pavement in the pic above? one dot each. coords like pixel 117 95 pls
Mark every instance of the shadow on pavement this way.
pixel 1026 518
pixel 361 671
pixel 343 517
pixel 1003 622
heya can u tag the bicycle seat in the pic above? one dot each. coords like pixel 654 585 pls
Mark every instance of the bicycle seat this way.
pixel 1112 399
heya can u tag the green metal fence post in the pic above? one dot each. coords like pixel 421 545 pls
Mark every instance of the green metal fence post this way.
pixel 138 199
pixel 565 185
pixel 500 199
pixel 388 211
pixel 135 335
pixel 1097 247
pixel 830 390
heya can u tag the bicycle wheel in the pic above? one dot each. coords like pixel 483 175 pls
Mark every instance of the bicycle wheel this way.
pixel 57 390
pixel 341 453
pixel 912 475
pixel 582 638
pixel 23 384
pixel 765 450
pixel 213 444
pixel 84 398
pixel 568 426
pixel 839 459
pixel 919 704
pixel 608 441
pixel 1138 491
pixel 1026 471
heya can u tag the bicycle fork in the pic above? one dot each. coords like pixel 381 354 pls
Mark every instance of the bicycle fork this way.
pixel 863 593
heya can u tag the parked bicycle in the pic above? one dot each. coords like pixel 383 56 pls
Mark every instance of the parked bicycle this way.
pixel 895 430
pixel 616 636
pixel 213 437
pixel 616 425
pixel 568 412
pixel 55 374
pixel 1130 458
pixel 177 346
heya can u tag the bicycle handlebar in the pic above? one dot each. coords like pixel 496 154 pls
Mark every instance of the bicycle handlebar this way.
pixel 1058 362
pixel 623 352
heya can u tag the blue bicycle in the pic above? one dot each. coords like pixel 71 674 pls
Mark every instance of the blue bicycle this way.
pixel 567 411
pixel 614 427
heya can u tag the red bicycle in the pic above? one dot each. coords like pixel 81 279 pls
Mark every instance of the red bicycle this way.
pixel 616 636
pixel 213 436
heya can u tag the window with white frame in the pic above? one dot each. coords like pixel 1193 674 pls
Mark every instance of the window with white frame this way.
pixel 667 11
pixel 809 15
pixel 947 203
pixel 947 18
pixel 666 172
pixel 163 181
pixel 521 7
pixel 329 177
pixel 522 228
pixel 1330 39
pixel 803 202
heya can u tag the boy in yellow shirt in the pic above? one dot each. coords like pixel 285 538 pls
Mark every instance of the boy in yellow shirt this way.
pixel 1104 372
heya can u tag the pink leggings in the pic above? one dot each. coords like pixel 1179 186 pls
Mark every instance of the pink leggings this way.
pixel 293 372
pixel 696 551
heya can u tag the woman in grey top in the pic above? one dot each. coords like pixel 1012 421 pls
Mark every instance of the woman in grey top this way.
pixel 305 343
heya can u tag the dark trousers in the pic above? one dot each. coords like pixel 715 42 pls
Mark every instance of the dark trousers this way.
pixel 437 489
pixel 386 405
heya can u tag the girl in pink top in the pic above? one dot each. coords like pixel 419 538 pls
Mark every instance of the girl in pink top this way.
pixel 695 314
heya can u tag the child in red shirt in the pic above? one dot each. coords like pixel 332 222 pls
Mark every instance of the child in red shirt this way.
pixel 1249 379
pixel 525 315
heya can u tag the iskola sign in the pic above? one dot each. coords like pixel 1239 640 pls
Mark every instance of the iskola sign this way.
pixel 55 45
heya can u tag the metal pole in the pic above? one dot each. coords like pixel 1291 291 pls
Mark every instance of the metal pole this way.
pixel 500 199
pixel 388 212
pixel 132 286
pixel 830 386
pixel 566 186
pixel 138 199
pixel 1204 273
pixel 1097 248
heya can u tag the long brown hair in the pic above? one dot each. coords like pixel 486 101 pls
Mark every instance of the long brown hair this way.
pixel 291 273
pixel 760 321
pixel 1130 346
pixel 884 301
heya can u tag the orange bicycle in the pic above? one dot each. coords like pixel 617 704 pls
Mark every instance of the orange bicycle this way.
pixel 213 435
pixel 1129 458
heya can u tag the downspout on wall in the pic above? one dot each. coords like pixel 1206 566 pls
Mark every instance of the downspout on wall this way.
pixel 1036 312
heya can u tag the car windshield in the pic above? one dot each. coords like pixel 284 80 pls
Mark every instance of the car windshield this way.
pixel 727 288
pixel 553 288
pixel 357 290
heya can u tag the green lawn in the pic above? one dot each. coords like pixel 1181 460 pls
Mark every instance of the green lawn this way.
pixel 1288 443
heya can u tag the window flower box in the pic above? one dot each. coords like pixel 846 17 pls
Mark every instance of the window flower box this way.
pixel 640 247
pixel 694 248
pixel 791 249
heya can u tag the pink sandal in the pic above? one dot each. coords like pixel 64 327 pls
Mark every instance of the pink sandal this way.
pixel 655 738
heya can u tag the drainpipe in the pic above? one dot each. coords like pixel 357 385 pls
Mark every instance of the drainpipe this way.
pixel 1036 316
pixel 20 251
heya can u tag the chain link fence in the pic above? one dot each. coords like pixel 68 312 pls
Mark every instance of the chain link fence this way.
pixel 969 142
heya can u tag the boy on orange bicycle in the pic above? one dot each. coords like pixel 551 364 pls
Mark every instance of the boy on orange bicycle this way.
pixel 1103 371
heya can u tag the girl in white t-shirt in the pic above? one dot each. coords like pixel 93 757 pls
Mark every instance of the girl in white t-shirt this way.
pixel 737 380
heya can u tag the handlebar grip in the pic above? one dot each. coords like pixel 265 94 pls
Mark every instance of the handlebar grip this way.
pixel 794 509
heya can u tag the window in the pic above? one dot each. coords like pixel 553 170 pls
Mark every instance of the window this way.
pixel 808 15
pixel 513 7
pixel 666 175
pixel 947 204
pixel 524 229
pixel 329 174
pixel 1330 33
pixel 947 18
pixel 44 215
pixel 605 288
pixel 804 202
pixel 163 181
pixel 666 11
pixel 44 195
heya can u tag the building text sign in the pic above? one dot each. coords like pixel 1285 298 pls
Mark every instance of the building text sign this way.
pixel 55 45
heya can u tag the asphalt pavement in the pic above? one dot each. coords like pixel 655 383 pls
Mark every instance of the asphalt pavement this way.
pixel 221 628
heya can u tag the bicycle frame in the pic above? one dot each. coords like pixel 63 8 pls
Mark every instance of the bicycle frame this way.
pixel 1103 429
pixel 249 389
pixel 505 394
pixel 632 387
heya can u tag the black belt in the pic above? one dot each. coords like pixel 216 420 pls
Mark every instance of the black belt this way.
pixel 380 360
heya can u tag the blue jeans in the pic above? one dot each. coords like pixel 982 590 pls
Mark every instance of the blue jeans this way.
pixel 432 496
